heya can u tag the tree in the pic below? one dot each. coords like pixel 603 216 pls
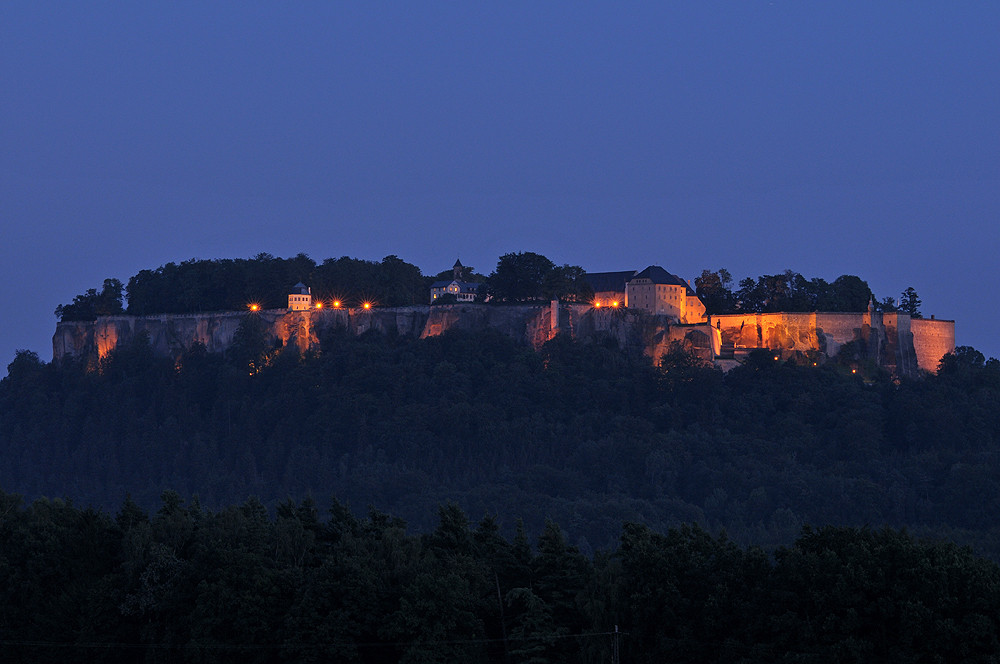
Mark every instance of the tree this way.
pixel 715 291
pixel 92 304
pixel 887 305
pixel 566 282
pixel 909 303
pixel 519 277
pixel 249 348
pixel 748 297
pixel 848 293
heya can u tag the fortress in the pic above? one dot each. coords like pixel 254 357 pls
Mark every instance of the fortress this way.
pixel 647 311
pixel 902 345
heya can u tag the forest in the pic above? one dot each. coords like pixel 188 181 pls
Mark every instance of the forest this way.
pixel 584 434
pixel 318 584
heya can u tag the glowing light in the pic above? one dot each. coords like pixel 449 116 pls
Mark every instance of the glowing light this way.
pixel 854 371
pixel 597 304
pixel 336 304
pixel 615 304
pixel 775 358
pixel 367 305
pixel 319 305
pixel 254 307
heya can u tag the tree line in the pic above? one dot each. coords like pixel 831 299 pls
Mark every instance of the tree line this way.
pixel 232 284
pixel 790 291
pixel 308 584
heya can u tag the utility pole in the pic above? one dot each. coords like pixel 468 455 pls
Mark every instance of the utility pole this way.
pixel 614 647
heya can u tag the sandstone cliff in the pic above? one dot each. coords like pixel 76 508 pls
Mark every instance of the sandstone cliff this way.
pixel 532 324
pixel 893 341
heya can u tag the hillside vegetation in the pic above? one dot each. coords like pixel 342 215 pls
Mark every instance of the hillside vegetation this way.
pixel 583 434
pixel 188 584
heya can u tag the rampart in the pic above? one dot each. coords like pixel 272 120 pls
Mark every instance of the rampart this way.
pixel 533 324
pixel 931 340
pixel 895 341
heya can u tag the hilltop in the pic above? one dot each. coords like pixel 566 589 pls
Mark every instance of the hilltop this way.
pixel 658 308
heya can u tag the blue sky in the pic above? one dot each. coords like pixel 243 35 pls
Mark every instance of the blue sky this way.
pixel 829 138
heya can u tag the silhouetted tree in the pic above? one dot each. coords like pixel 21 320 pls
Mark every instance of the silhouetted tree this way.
pixel 92 304
pixel 909 303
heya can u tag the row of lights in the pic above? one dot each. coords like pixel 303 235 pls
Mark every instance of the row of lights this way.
pixel 336 304
pixel 614 304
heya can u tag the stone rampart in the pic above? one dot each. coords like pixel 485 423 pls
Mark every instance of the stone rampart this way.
pixel 896 342
pixel 932 339
pixel 168 333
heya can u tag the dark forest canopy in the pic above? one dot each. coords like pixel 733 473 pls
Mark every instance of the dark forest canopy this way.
pixel 790 291
pixel 231 284
pixel 585 434
pixel 309 584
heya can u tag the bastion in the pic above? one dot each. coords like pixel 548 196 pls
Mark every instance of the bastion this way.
pixel 896 341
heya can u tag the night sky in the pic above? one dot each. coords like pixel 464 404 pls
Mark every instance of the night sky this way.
pixel 826 137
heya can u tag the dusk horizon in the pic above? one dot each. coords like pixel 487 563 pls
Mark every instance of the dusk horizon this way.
pixel 759 137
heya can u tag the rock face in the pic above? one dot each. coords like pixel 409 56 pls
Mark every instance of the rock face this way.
pixel 894 341
pixel 168 333
pixel 532 324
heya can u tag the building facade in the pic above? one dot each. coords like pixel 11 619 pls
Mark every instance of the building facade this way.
pixel 300 299
pixel 654 290
pixel 657 291
pixel 464 291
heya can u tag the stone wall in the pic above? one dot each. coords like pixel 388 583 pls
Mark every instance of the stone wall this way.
pixel 168 334
pixel 533 324
pixel 896 342
pixel 931 340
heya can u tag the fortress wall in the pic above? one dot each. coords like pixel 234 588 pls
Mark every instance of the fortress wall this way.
pixel 72 339
pixel 932 339
pixel 785 331
pixel 834 329
pixel 789 331
pixel 169 334
pixel 900 344
pixel 741 330
pixel 529 322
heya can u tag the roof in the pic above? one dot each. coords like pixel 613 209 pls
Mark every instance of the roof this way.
pixel 603 282
pixel 658 275
pixel 458 263
pixel 300 289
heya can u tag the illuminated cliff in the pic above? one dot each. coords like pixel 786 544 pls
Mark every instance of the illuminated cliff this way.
pixel 893 341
